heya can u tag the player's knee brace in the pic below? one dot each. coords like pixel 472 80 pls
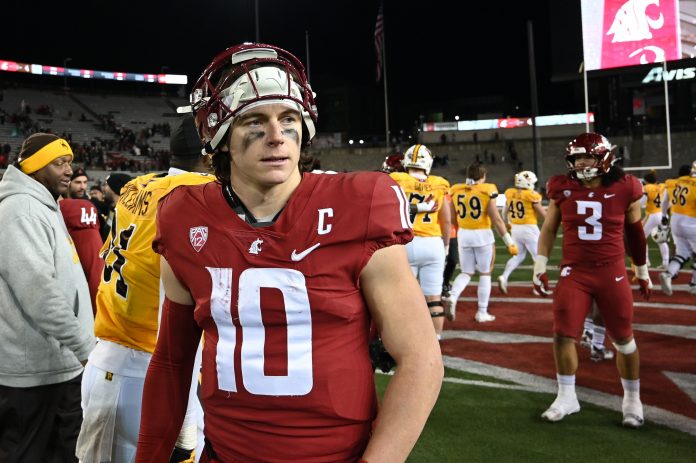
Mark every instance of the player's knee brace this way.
pixel 628 348
pixel 680 259
pixel 436 304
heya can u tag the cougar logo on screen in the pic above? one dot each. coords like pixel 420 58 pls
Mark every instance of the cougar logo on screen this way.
pixel 632 22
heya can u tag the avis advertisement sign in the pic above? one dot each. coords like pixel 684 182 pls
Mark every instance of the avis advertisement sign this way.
pixel 629 32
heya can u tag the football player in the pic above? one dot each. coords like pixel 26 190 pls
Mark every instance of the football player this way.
pixel 683 226
pixel 82 221
pixel 598 204
pixel 523 208
pixel 473 204
pixel 283 272
pixel 128 304
pixel 653 194
pixel 431 225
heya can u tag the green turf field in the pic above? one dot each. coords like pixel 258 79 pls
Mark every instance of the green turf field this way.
pixel 486 424
pixel 472 423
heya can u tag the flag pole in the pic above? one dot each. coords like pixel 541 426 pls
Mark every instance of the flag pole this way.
pixel 384 72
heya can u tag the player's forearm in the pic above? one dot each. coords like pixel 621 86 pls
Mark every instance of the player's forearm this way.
pixel 407 403
pixel 546 241
pixel 167 384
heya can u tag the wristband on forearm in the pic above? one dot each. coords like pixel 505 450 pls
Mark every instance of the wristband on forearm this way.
pixel 540 264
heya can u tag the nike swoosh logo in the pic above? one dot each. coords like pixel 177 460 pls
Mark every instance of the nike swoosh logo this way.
pixel 609 196
pixel 295 257
pixel 618 278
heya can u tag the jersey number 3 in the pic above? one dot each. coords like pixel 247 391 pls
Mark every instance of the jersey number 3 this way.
pixel 299 378
pixel 594 231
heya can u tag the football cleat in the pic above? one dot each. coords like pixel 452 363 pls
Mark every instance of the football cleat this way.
pixel 586 339
pixel 597 354
pixel 484 317
pixel 666 283
pixel 560 408
pixel 502 284
pixel 632 413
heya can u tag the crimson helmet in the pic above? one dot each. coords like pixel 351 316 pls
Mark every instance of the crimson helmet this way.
pixel 592 144
pixel 392 163
pixel 243 77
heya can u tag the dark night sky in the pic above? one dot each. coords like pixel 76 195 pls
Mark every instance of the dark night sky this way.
pixel 437 51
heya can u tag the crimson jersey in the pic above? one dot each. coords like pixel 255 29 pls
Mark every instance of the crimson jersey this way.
pixel 593 218
pixel 81 219
pixel 286 373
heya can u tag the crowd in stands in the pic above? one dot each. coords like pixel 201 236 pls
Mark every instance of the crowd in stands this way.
pixel 125 150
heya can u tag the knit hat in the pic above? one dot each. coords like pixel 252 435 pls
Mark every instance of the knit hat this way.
pixel 117 181
pixel 39 150
pixel 79 172
pixel 185 142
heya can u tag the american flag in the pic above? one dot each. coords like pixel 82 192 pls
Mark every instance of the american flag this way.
pixel 379 40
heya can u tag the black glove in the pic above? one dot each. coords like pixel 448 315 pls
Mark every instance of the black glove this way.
pixel 380 357
pixel 180 455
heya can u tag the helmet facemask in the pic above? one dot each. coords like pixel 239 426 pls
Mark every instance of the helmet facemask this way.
pixel 245 77
pixel 595 146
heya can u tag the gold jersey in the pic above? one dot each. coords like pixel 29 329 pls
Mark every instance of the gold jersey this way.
pixel 519 206
pixel 684 196
pixel 654 193
pixel 471 204
pixel 128 296
pixel 417 191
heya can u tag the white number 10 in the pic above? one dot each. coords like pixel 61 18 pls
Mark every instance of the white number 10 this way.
pixel 291 283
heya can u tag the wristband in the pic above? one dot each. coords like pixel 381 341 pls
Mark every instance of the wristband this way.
pixel 540 265
pixel 425 207
pixel 642 272
pixel 507 239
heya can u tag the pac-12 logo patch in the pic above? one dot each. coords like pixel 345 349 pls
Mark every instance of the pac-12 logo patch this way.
pixel 198 236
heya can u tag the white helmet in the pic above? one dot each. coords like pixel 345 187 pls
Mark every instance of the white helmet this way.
pixel 525 179
pixel 660 234
pixel 418 157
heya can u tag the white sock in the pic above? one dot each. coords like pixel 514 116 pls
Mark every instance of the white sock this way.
pixel 673 267
pixel 513 263
pixel 598 337
pixel 589 325
pixel 566 385
pixel 459 285
pixel 631 388
pixel 664 252
pixel 484 293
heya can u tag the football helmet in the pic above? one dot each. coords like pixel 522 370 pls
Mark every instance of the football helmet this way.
pixel 660 234
pixel 418 157
pixel 693 169
pixel 243 77
pixel 393 163
pixel 525 179
pixel 595 145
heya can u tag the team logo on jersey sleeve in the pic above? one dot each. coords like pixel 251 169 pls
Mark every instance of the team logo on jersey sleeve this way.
pixel 198 236
pixel 566 193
